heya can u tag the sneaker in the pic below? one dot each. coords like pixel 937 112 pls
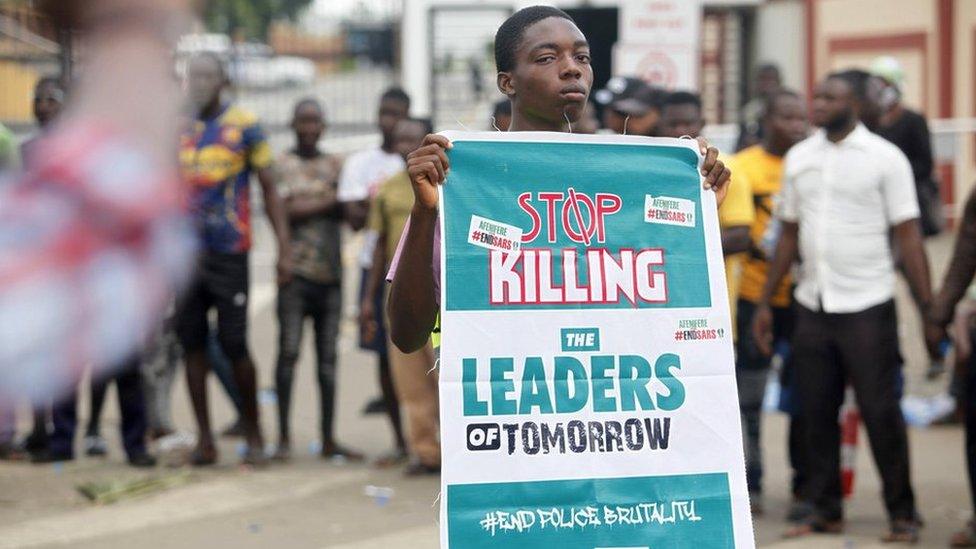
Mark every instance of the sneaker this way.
pixel 95 446
pixel 142 460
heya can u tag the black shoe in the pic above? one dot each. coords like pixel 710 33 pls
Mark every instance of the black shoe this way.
pixel 34 442
pixel 234 430
pixel 142 460
pixel 375 406
pixel 47 456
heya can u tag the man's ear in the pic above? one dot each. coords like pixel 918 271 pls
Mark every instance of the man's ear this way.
pixel 505 84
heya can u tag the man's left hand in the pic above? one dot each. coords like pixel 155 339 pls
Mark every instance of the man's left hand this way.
pixel 284 267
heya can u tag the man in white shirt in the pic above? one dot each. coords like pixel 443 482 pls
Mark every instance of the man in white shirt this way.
pixel 848 196
pixel 362 174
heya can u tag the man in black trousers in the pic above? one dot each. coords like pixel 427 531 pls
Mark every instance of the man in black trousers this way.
pixel 132 407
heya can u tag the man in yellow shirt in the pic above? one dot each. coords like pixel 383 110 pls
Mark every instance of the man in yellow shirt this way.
pixel 761 166
pixel 681 115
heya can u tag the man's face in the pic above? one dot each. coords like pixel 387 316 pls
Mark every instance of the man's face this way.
pixel 767 82
pixel 392 111
pixel 834 105
pixel 309 125
pixel 407 137
pixel 680 120
pixel 205 79
pixel 872 108
pixel 48 100
pixel 552 76
pixel 787 121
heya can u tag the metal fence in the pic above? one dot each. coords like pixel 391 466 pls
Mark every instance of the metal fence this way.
pixel 346 62
pixel 462 84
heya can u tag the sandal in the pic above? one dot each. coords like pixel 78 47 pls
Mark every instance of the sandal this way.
pixel 966 537
pixel 814 526
pixel 902 531
pixel 392 459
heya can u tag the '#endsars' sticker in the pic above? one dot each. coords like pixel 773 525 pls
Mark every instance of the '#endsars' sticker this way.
pixel 494 235
pixel 669 211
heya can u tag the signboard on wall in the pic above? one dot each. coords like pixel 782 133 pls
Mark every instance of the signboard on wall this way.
pixel 659 42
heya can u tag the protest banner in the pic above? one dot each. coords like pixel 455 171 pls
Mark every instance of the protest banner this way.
pixel 587 386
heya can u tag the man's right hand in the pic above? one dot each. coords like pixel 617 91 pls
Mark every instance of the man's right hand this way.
pixel 427 167
pixel 762 328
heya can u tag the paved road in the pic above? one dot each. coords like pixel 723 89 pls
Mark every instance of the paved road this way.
pixel 312 503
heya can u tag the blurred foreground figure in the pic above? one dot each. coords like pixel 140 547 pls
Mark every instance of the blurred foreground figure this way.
pixel 92 236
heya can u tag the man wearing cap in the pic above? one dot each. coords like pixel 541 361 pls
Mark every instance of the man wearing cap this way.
pixel 630 106
pixel 909 131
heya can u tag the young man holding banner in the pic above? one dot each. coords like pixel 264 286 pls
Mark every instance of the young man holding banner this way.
pixel 543 63
pixel 526 303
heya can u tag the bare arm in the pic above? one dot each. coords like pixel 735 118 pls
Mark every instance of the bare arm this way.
pixel 369 317
pixel 413 304
pixel 787 251
pixel 736 240
pixel 275 209
pixel 377 273
pixel 301 206
pixel 908 237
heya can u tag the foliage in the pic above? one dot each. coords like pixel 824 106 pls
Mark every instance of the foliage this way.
pixel 250 17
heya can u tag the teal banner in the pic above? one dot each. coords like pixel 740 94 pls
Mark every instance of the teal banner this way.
pixel 674 512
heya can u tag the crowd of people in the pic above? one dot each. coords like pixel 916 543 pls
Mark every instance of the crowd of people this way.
pixel 815 228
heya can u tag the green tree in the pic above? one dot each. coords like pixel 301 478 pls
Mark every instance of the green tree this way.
pixel 252 17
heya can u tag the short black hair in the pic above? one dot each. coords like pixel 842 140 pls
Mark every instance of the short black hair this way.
pixel 502 107
pixel 857 79
pixel 396 93
pixel 682 98
pixel 770 103
pixel 509 34
pixel 309 102
pixel 425 122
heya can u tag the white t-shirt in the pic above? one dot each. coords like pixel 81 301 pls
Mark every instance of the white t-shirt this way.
pixel 361 177
pixel 364 171
pixel 846 197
